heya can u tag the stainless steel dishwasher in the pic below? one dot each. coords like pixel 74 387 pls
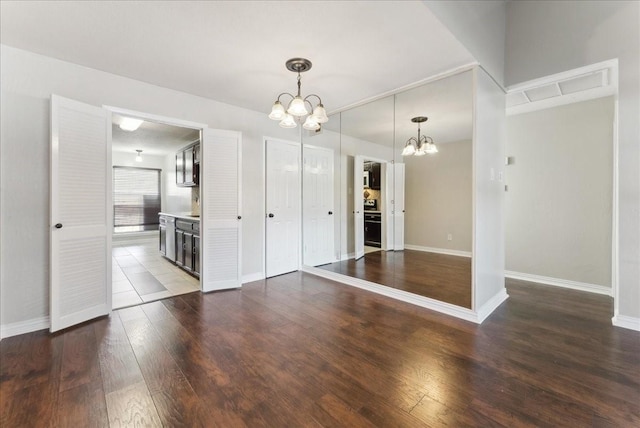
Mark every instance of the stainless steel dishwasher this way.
pixel 168 237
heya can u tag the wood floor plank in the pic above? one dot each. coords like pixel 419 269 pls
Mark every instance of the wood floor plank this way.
pixel 299 350
pixel 34 406
pixel 82 406
pixel 132 407
pixel 439 276
pixel 80 363
pixel 29 359
pixel 118 364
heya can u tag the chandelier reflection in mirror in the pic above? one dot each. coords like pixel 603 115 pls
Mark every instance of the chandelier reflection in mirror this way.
pixel 419 146
pixel 297 106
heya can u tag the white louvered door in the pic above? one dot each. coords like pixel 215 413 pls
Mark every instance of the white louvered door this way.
pixel 81 213
pixel 220 216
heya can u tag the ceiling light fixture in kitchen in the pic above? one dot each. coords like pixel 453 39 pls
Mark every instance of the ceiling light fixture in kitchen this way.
pixel 139 156
pixel 130 124
pixel 297 107
pixel 419 146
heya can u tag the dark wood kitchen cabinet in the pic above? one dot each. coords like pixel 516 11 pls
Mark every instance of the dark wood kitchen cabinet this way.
pixel 188 245
pixel 188 166
pixel 374 176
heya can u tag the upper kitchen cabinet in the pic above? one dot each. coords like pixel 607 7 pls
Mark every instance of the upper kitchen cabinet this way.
pixel 188 166
pixel 374 176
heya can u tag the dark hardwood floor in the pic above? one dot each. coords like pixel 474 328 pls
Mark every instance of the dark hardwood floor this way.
pixel 299 350
pixel 438 276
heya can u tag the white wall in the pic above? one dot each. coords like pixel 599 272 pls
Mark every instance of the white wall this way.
pixel 480 26
pixel 28 80
pixel 489 138
pixel 558 207
pixel 438 198
pixel 176 199
pixel 545 38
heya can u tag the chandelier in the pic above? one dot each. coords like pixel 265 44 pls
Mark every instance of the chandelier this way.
pixel 419 146
pixel 297 106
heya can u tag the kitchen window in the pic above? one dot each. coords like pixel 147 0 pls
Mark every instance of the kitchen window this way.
pixel 136 199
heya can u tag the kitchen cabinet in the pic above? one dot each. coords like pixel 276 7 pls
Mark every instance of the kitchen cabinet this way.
pixel 188 166
pixel 188 245
pixel 374 176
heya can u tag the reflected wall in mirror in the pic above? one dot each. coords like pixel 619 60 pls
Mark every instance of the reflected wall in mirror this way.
pixel 433 222
pixel 406 221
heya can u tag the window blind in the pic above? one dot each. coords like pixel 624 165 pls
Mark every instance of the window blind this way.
pixel 136 198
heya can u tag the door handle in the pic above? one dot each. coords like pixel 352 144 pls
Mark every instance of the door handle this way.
pixel 271 215
pixel 330 212
pixel 239 217
pixel 58 226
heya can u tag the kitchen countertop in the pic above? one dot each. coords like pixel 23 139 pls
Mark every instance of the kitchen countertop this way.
pixel 186 216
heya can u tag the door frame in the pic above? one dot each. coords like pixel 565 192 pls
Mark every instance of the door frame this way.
pixel 152 118
pixel 264 201
pixel 386 221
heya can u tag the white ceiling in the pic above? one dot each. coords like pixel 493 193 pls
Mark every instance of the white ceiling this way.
pixel 234 51
pixel 152 138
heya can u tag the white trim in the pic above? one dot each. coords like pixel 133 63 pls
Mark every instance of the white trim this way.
pixel 615 209
pixel 347 256
pixel 156 118
pixel 626 322
pixel 558 282
pixel 256 276
pixel 414 299
pixel 491 305
pixel 430 79
pixel 22 327
pixel 446 251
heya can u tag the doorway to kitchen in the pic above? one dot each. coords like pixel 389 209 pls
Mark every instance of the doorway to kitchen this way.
pixel 154 184
pixel 372 205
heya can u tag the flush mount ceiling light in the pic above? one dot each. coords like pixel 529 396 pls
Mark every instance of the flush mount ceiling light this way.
pixel 297 106
pixel 419 146
pixel 139 156
pixel 130 124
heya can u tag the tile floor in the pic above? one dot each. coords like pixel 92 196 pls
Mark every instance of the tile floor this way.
pixel 141 274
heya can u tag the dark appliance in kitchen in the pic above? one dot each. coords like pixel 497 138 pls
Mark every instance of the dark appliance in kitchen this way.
pixel 372 223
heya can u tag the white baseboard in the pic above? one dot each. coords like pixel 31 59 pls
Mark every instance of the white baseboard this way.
pixel 425 302
pixel 446 251
pixel 256 276
pixel 22 327
pixel 626 322
pixel 347 256
pixel 493 303
pixel 557 282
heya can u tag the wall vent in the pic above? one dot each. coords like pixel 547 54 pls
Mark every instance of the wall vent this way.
pixel 581 84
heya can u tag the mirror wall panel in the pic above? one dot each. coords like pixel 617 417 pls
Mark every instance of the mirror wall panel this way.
pixel 405 221
pixel 434 191
pixel 366 152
